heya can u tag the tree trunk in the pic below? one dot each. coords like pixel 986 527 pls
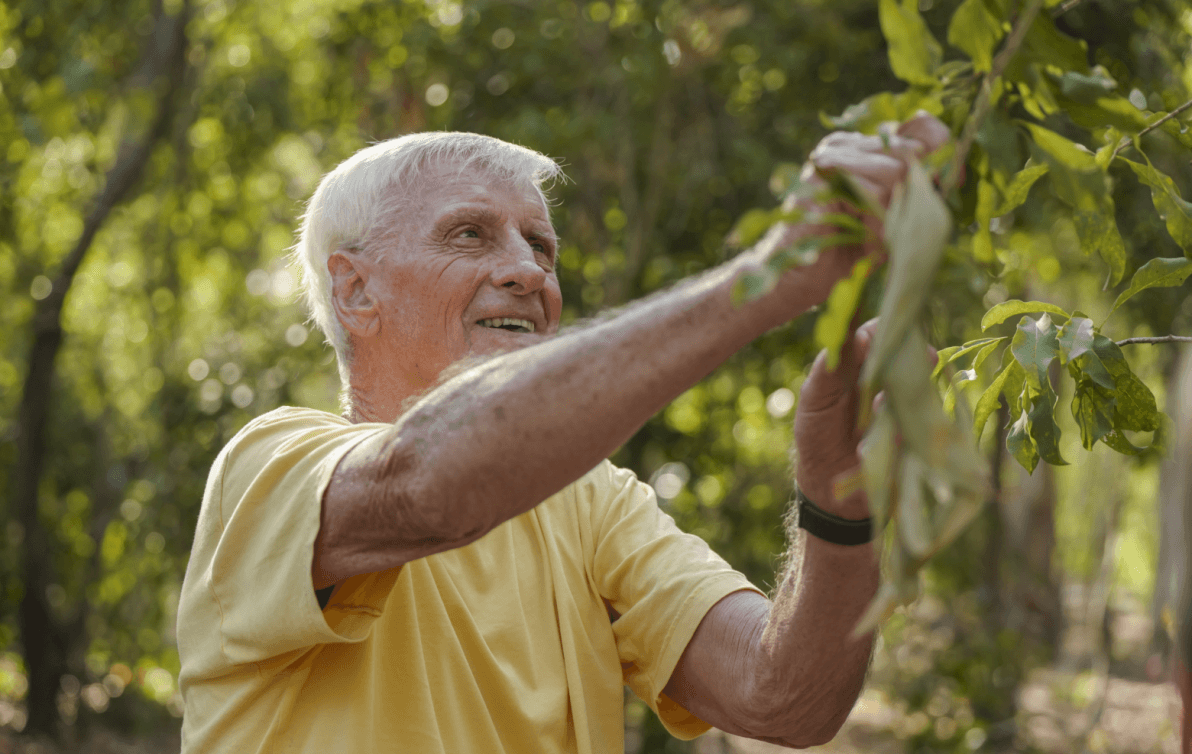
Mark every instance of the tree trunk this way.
pixel 42 638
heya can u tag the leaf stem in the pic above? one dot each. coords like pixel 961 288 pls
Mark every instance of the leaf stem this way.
pixel 1156 339
pixel 1065 8
pixel 985 97
pixel 1126 141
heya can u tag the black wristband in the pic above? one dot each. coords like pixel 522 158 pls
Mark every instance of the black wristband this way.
pixel 832 528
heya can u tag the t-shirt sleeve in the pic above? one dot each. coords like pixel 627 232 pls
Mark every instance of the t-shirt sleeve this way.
pixel 660 580
pixel 255 540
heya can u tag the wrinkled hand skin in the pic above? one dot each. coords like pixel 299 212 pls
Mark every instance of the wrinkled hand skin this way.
pixel 826 431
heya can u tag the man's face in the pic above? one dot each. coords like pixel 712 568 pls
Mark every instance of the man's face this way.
pixel 469 252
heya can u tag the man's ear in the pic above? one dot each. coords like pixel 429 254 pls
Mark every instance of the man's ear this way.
pixel 356 310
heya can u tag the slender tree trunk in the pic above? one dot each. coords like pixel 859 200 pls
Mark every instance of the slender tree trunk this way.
pixel 42 638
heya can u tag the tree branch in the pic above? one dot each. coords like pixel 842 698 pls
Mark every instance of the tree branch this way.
pixel 1127 141
pixel 985 97
pixel 1156 339
pixel 40 634
pixel 1065 8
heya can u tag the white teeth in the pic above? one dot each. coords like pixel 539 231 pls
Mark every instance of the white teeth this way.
pixel 507 321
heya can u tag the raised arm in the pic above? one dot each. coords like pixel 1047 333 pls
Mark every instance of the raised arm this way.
pixel 498 439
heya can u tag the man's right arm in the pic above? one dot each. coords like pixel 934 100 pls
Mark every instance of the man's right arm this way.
pixel 498 439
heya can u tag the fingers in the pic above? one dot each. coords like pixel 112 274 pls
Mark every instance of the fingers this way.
pixel 875 172
pixel 926 129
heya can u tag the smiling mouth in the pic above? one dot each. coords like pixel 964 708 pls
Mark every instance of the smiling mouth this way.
pixel 508 323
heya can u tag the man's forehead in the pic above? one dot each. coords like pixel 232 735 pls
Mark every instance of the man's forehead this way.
pixel 441 188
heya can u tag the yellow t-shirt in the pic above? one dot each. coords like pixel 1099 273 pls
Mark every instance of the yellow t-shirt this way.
pixel 503 645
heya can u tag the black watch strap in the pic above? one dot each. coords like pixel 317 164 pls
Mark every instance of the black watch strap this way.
pixel 832 528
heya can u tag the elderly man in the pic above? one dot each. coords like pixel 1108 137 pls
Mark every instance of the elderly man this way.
pixel 454 566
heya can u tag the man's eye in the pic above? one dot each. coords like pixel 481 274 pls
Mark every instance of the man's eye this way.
pixel 469 234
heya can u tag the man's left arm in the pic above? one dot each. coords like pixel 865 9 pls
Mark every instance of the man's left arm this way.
pixel 789 670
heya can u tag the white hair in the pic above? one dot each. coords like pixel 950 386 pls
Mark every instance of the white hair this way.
pixel 353 204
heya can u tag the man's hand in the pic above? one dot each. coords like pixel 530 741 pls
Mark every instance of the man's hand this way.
pixel 826 431
pixel 876 165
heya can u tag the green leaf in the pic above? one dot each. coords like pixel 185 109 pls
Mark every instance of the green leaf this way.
pixel 1003 311
pixel 943 356
pixel 1092 408
pixel 917 227
pixel 988 401
pixel 914 52
pixel 983 239
pixel 754 224
pixel 975 29
pixel 1020 186
pixel 1160 272
pixel 913 527
pixel 1172 208
pixel 1035 346
pixel 879 454
pixel 1043 429
pixel 1021 445
pixel 1075 338
pixel 955 352
pixel 831 328
pixel 1134 403
pixel 983 354
pixel 754 284
pixel 1118 442
pixel 1098 233
pixel 1046 44
pixel 866 115
pixel 1090 363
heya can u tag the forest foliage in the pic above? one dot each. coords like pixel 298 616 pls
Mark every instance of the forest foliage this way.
pixel 681 125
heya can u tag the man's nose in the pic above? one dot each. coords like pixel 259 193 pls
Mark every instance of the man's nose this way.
pixel 518 269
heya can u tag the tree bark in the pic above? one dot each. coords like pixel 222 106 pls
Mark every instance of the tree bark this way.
pixel 42 638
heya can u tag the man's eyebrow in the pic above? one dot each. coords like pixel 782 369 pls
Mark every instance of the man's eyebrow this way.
pixel 466 213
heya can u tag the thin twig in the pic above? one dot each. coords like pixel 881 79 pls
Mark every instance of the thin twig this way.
pixel 1156 339
pixel 985 97
pixel 1065 8
pixel 1127 141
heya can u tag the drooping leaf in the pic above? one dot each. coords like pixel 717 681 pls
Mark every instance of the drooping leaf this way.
pixel 879 454
pixel 917 227
pixel 1075 338
pixel 1134 403
pixel 975 29
pixel 831 328
pixel 1019 187
pixel 914 52
pixel 1092 408
pixel 988 401
pixel 1160 272
pixel 1043 429
pixel 1118 442
pixel 913 527
pixel 957 381
pixel 1003 311
pixel 1035 346
pixel 1021 445
pixel 1090 363
pixel 1176 212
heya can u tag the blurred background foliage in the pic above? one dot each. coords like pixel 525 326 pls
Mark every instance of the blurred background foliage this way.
pixel 669 117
